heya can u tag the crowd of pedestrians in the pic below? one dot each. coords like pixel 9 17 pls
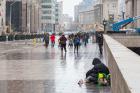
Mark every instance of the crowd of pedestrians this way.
pixel 74 40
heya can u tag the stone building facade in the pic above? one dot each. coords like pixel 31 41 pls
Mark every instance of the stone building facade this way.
pixel 30 16
pixel 2 16
pixel 47 15
pixel 110 8
pixel 132 10
pixel 58 16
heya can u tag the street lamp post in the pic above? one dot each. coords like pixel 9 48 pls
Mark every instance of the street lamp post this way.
pixel 123 15
pixel 30 13
pixel 104 24
pixel 11 13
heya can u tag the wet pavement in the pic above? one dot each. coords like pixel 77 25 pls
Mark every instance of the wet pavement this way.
pixel 46 70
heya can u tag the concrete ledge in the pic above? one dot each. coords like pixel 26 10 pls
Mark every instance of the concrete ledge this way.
pixel 124 66
pixel 128 41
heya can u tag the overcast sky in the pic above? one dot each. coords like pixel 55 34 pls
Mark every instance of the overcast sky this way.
pixel 68 6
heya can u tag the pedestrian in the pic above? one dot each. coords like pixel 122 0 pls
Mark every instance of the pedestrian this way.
pixel 62 42
pixel 98 69
pixel 52 40
pixel 70 41
pixel 100 42
pixel 76 43
pixel 85 39
pixel 46 39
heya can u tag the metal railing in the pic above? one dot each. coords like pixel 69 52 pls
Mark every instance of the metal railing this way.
pixel 20 37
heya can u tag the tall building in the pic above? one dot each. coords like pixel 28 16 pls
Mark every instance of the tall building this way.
pixel 98 13
pixel 110 9
pixel 132 10
pixel 30 16
pixel 14 15
pixel 121 9
pixel 23 15
pixel 58 12
pixel 48 15
pixel 86 5
pixel 2 16
pixel 84 15
pixel 67 22
pixel 76 17
pixel 34 14
pixel 76 13
pixel 58 16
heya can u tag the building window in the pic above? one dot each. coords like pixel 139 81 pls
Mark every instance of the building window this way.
pixel 46 12
pixel 56 10
pixel 56 20
pixel 56 15
pixel 46 1
pixel 46 17
pixel 46 6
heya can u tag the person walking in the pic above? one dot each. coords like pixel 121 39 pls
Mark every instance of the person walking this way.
pixel 46 39
pixel 52 39
pixel 100 42
pixel 85 39
pixel 62 42
pixel 76 43
pixel 70 41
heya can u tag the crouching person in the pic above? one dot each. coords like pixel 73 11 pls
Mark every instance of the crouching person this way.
pixel 98 74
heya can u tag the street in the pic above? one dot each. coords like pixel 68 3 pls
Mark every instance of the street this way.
pixel 36 69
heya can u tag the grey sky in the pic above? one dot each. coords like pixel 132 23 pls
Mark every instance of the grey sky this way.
pixel 68 6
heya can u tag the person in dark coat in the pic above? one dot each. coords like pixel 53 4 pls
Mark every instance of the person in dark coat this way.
pixel 46 39
pixel 100 42
pixel 62 41
pixel 99 67
pixel 76 41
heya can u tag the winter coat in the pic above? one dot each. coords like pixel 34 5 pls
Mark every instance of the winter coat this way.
pixel 46 38
pixel 62 39
pixel 76 41
pixel 100 39
pixel 99 67
pixel 52 38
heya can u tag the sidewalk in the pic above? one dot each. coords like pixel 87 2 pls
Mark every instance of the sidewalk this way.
pixel 46 70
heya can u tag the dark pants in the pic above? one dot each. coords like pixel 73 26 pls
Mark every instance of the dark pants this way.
pixel 52 43
pixel 93 79
pixel 76 46
pixel 46 43
pixel 100 48
pixel 63 46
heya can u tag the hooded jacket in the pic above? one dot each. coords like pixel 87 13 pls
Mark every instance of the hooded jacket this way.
pixel 99 67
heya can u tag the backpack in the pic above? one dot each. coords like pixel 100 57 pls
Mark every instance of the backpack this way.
pixel 77 41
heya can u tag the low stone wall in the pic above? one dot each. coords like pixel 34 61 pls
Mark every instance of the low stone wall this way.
pixel 124 67
pixel 128 41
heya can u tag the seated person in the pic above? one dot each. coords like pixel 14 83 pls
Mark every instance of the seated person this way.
pixel 98 72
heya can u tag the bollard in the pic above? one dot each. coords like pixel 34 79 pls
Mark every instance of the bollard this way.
pixel 34 41
pixel 41 40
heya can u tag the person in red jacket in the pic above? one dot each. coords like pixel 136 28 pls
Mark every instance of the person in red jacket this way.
pixel 52 39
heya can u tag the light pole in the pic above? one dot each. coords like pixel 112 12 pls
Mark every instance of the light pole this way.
pixel 123 15
pixel 29 22
pixel 11 13
pixel 105 23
